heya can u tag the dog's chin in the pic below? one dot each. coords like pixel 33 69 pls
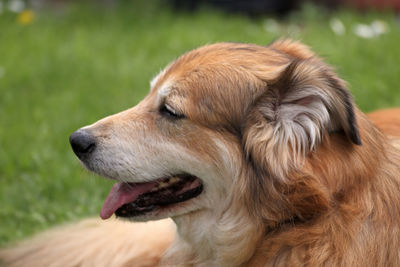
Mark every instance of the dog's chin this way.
pixel 173 211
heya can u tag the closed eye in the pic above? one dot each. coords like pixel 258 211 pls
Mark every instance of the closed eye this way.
pixel 168 111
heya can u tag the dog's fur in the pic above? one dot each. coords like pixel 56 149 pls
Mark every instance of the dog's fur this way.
pixel 293 173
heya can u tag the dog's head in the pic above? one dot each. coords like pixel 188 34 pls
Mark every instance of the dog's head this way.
pixel 221 124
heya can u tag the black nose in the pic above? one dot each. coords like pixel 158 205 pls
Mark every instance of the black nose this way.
pixel 82 142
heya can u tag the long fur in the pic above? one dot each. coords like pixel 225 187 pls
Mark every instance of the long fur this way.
pixel 293 173
pixel 93 242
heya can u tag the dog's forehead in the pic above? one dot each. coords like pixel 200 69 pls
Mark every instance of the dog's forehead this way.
pixel 207 62
pixel 186 64
pixel 219 79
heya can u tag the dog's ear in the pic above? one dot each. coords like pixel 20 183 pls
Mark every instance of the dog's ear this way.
pixel 292 48
pixel 303 105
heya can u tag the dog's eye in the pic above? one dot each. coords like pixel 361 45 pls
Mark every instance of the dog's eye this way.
pixel 167 110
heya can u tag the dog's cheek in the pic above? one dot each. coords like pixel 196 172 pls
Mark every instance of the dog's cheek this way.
pixel 218 158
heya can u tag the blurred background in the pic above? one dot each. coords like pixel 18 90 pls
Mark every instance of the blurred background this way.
pixel 65 64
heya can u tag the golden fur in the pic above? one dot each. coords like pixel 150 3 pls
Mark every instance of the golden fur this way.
pixel 293 173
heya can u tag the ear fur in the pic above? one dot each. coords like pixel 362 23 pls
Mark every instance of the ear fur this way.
pixel 292 48
pixel 302 106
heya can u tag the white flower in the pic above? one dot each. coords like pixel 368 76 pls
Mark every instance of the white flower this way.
pixel 16 5
pixel 379 27
pixel 363 31
pixel 376 28
pixel 271 26
pixel 337 26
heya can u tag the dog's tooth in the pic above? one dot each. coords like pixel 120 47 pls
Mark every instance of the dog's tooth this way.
pixel 160 185
pixel 155 188
pixel 173 180
pixel 163 184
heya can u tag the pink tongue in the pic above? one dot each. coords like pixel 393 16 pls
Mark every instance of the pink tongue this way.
pixel 123 193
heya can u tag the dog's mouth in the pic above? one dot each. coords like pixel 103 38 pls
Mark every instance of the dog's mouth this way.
pixel 135 199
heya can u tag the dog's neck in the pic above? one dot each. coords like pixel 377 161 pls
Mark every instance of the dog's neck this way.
pixel 207 240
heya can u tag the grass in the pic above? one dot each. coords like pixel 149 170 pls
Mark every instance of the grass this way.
pixel 73 66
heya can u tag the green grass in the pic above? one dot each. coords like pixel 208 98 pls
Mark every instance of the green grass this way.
pixel 71 67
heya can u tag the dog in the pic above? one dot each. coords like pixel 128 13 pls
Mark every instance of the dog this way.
pixel 258 155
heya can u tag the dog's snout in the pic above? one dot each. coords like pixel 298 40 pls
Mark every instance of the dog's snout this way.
pixel 82 142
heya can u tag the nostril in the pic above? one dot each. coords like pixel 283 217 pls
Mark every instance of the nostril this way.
pixel 82 142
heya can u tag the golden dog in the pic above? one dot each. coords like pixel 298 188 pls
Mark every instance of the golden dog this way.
pixel 258 155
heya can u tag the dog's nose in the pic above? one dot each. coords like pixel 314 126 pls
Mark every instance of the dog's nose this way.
pixel 82 142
